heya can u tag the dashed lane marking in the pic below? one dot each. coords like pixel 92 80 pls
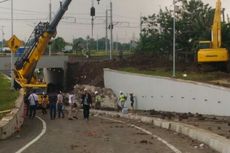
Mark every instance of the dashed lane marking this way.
pixel 35 139
pixel 173 148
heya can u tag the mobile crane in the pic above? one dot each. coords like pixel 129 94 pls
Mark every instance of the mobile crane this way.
pixel 34 49
pixel 211 51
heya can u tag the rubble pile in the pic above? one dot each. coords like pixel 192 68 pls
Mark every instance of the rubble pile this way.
pixel 109 99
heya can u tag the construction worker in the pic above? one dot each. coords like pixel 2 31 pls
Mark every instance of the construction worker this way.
pixel 72 105
pixel 131 98
pixel 60 105
pixel 98 100
pixel 33 100
pixel 122 98
pixel 86 102
pixel 44 103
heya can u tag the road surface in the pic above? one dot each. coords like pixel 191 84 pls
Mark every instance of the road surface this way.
pixel 100 134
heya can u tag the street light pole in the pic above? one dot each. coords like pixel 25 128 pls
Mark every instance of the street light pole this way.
pixel 111 31
pixel 174 41
pixel 12 54
pixel 2 37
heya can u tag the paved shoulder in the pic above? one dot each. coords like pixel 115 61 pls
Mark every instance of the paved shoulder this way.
pixel 30 129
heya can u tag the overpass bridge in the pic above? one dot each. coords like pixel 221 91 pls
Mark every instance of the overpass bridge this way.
pixel 54 67
pixel 46 61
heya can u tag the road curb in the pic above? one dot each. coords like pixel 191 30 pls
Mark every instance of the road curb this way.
pixel 214 141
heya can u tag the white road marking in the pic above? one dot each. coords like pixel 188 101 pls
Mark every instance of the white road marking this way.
pixel 173 148
pixel 35 139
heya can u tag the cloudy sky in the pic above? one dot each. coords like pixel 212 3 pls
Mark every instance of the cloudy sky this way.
pixel 126 17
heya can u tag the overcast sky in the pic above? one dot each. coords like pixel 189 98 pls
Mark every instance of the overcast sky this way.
pixel 126 17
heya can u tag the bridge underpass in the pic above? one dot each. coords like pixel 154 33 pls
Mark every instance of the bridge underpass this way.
pixel 53 67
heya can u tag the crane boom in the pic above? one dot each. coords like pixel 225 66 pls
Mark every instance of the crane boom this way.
pixel 35 47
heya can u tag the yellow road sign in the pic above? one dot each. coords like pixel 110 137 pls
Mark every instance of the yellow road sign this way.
pixel 14 43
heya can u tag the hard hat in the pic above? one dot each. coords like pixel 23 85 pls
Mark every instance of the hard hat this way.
pixel 121 92
pixel 96 92
pixel 85 89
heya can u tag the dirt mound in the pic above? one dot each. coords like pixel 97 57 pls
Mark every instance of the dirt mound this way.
pixel 90 71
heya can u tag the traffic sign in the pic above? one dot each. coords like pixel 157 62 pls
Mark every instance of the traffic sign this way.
pixel 14 43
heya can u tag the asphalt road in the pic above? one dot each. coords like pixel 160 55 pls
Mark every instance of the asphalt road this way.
pixel 98 135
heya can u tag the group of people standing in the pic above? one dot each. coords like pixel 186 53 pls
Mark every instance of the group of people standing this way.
pixel 122 100
pixel 57 106
pixel 54 100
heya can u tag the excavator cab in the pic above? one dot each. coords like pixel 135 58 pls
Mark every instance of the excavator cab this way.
pixel 207 53
pixel 205 44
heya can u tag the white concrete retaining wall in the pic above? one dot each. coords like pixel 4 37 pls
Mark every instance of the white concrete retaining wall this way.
pixel 168 94
pixel 13 120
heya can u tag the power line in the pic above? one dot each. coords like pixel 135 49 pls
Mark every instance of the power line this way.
pixel 21 13
pixel 19 10
pixel 4 1
pixel 127 17
pixel 21 19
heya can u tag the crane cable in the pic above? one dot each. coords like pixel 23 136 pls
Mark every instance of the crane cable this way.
pixel 4 1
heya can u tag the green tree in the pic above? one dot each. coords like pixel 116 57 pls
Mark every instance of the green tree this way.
pixel 79 44
pixel 58 44
pixel 193 23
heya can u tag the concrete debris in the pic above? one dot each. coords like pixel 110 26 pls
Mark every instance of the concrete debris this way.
pixel 144 141
pixel 201 145
pixel 109 99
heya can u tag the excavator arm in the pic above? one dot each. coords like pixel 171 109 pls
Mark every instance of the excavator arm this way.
pixel 35 48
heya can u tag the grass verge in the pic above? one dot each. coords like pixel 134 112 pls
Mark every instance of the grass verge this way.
pixel 194 76
pixel 7 95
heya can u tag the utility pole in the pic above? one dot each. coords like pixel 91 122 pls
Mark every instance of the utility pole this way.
pixel 87 43
pixel 140 24
pixel 116 42
pixel 92 14
pixel 12 54
pixel 111 30
pixel 174 41
pixel 50 16
pixel 2 37
pixel 97 42
pixel 106 30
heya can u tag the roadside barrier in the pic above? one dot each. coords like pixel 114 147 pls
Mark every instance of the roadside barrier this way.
pixel 2 113
pixel 12 119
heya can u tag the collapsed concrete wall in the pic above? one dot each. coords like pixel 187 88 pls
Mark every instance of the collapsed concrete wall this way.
pixel 168 94
pixel 12 121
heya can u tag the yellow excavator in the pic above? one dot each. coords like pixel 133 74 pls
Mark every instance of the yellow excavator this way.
pixel 211 51
pixel 34 49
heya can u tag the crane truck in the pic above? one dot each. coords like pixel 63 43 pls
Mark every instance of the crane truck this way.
pixel 34 49
pixel 212 51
